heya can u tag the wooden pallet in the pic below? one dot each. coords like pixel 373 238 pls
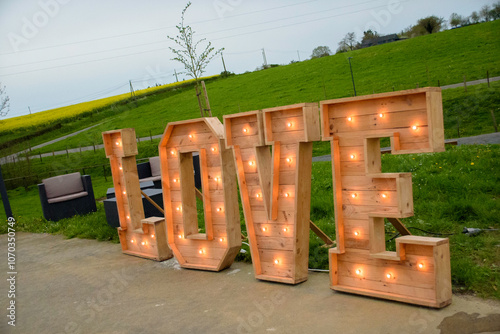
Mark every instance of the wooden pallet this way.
pixel 138 236
pixel 419 270
pixel 217 248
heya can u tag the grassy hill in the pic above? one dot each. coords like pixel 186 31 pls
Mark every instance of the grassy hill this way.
pixel 445 57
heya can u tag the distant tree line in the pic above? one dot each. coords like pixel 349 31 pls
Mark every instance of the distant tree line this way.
pixel 424 26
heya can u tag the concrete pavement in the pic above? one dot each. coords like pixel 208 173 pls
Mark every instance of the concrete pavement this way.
pixel 86 286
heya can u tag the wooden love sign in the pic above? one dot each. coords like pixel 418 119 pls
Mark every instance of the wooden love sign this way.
pixel 269 152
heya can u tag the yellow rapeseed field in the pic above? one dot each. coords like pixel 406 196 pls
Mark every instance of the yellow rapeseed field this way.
pixel 58 114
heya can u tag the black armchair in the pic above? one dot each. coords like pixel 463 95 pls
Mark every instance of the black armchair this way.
pixel 67 195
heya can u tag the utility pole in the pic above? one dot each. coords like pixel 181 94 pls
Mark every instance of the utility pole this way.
pixel 29 109
pixel 176 78
pixel 132 93
pixel 352 76
pixel 223 63
pixel 264 56
pixel 298 54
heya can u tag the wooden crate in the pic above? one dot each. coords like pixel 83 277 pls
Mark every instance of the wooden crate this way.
pixel 419 270
pixel 217 248
pixel 275 188
pixel 138 236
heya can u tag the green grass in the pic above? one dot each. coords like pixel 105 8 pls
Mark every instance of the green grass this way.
pixel 445 57
pixel 452 190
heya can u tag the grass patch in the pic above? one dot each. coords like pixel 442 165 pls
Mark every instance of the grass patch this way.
pixel 445 57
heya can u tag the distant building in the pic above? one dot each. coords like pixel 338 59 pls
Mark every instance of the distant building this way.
pixel 380 40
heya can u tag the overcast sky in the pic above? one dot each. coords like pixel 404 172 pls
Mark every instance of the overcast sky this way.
pixel 60 52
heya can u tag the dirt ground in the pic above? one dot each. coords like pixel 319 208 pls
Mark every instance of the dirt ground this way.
pixel 85 286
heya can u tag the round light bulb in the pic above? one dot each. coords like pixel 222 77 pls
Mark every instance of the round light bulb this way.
pixel 251 163
pixel 414 128
pixel 214 149
pixel 287 195
pixel 180 236
pixel 124 193
pixel 190 136
pixel 264 229
pixel 356 233
pixel 152 235
pixel 349 119
pixel 132 241
pixel 172 152
pixel 289 124
pixel 288 160
pixel 285 230
pixel 276 261
pixel 121 168
pixel 143 243
pixel 219 209
pixel 420 266
pixel 354 195
pixel 128 217
pixel 353 156
pixel 245 130
pixel 358 271
pixel 384 196
pixel 389 276
pixel 216 179
pixel 221 239
pixel 380 115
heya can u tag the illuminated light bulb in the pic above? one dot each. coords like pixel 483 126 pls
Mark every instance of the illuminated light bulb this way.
pixel 190 136
pixel 287 195
pixel 118 143
pixel 132 241
pixel 276 261
pixel 214 149
pixel 219 209
pixel 384 196
pixel 201 251
pixel 258 195
pixel 245 130
pixel 353 156
pixel 389 276
pixel 124 193
pixel 121 168
pixel 128 217
pixel 172 152
pixel 174 180
pixel 414 128
pixel 380 115
pixel 358 272
pixel 251 163
pixel 354 195
pixel 264 229
pixel 420 266
pixel 349 119
pixel 289 124
pixel 216 179
pixel 356 233
pixel 221 239
pixel 143 243
pixel 152 235
pixel 179 208
pixel 180 236
pixel 285 229
pixel 289 160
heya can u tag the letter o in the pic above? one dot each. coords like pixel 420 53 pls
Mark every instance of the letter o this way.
pixel 181 143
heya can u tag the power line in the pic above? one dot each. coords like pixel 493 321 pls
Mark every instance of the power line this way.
pixel 84 62
pixel 214 39
pixel 203 34
pixel 151 30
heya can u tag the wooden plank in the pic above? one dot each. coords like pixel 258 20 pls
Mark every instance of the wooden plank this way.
pixel 276 180
pixel 302 207
pixel 187 207
pixel 337 186
pixel 322 235
pixel 399 226
pixel 207 202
